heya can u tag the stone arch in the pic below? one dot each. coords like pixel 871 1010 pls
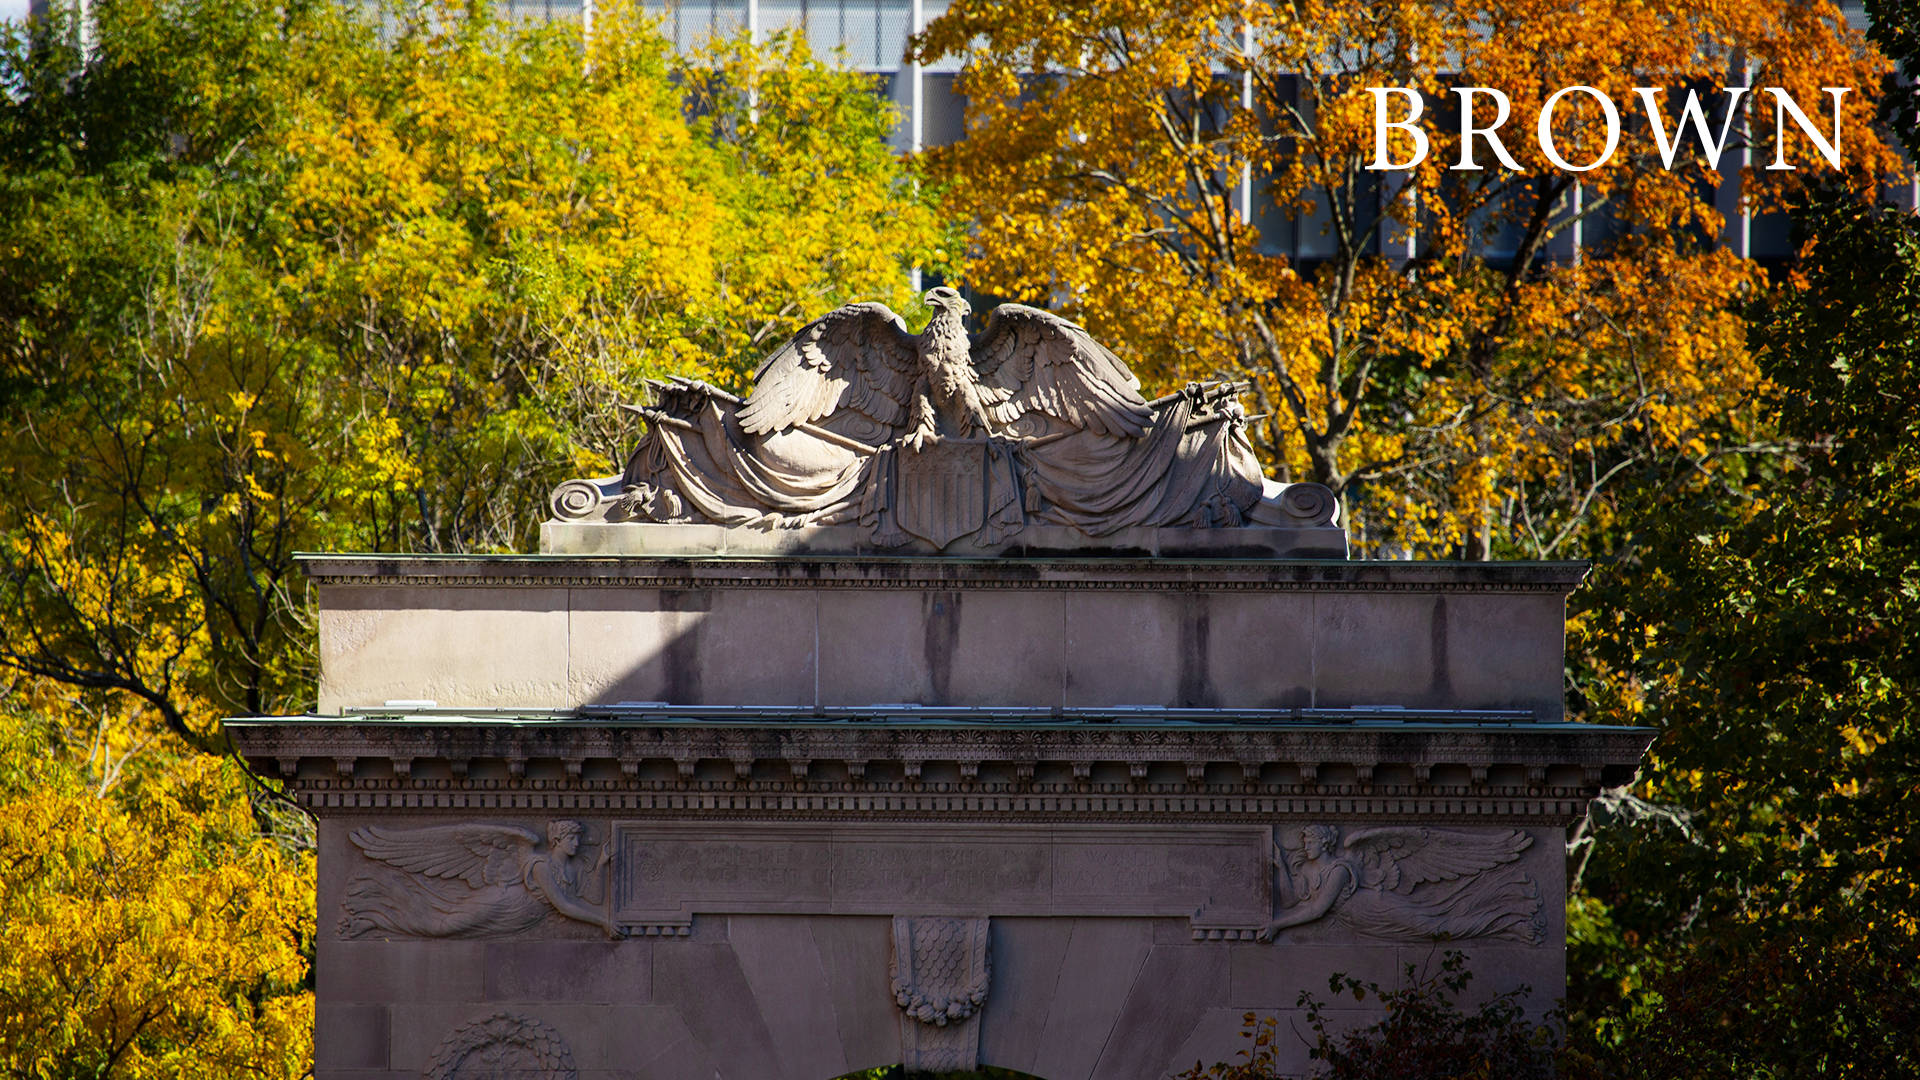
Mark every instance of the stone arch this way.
pixel 901 1073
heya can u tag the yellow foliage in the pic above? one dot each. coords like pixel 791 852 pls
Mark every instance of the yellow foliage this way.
pixel 151 931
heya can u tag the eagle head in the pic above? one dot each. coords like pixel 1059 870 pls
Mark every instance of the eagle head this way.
pixel 946 299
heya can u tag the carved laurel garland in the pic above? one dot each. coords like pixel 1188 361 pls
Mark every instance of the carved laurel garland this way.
pixel 504 1044
pixel 940 968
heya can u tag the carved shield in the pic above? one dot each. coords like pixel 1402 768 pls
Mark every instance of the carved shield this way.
pixel 941 493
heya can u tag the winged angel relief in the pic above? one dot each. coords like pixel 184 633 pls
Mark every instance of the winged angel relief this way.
pixel 857 421
pixel 1410 883
pixel 470 880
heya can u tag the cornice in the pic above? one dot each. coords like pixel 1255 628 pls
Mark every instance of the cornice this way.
pixel 1011 772
pixel 936 572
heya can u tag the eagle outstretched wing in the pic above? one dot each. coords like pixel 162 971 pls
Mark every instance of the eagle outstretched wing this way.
pixel 1031 360
pixel 476 854
pixel 859 357
pixel 1399 857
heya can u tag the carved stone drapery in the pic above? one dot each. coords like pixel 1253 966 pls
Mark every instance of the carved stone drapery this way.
pixel 854 424
pixel 940 979
pixel 502 1045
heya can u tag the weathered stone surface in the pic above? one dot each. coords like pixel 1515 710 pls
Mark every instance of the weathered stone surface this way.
pixel 599 972
pixel 853 632
pixel 384 644
pixel 590 538
pixel 782 965
pixel 1077 791
pixel 1103 962
pixel 1168 998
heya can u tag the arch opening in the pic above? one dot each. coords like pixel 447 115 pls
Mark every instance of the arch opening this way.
pixel 903 1073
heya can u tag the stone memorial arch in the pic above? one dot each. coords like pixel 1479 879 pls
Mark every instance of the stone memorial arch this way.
pixel 942 703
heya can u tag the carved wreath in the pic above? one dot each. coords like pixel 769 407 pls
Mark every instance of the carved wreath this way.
pixel 503 1044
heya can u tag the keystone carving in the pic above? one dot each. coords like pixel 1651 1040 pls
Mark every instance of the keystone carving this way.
pixel 502 1045
pixel 473 880
pixel 940 979
pixel 945 435
pixel 1411 883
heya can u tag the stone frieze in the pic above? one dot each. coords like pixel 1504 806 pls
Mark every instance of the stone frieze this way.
pixel 1410 883
pixel 1520 772
pixel 470 880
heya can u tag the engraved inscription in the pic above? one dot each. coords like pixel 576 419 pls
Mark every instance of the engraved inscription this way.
pixel 670 871
pixel 883 871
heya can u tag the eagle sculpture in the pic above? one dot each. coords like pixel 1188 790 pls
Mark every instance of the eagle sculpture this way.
pixel 944 383
pixel 854 421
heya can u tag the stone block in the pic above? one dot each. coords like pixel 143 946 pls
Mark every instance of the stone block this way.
pixel 1027 956
pixel 1258 649
pixel 854 953
pixel 1378 649
pixel 1124 649
pixel 1506 651
pixel 349 1037
pixel 940 647
pixel 692 646
pixel 600 1038
pixel 782 966
pixel 605 972
pixel 389 971
pixel 1218 1036
pixel 476 647
pixel 1433 650
pixel 1103 960
pixel 1177 985
pixel 1273 976
pixel 712 995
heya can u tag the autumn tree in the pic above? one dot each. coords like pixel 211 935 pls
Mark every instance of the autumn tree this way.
pixel 376 294
pixel 274 278
pixel 1444 359
pixel 499 234
pixel 1749 907
pixel 151 930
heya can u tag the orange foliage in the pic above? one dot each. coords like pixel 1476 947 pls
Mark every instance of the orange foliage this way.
pixel 1460 402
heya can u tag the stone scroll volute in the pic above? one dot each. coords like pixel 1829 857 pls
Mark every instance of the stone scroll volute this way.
pixel 475 880
pixel 1408 883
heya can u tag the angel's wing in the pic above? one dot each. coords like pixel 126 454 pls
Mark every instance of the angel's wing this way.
pixel 1402 856
pixel 476 854
pixel 1032 360
pixel 859 357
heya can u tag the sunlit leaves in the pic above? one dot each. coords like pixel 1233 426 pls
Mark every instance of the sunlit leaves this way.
pixel 1769 640
pixel 1434 351
pixel 151 931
